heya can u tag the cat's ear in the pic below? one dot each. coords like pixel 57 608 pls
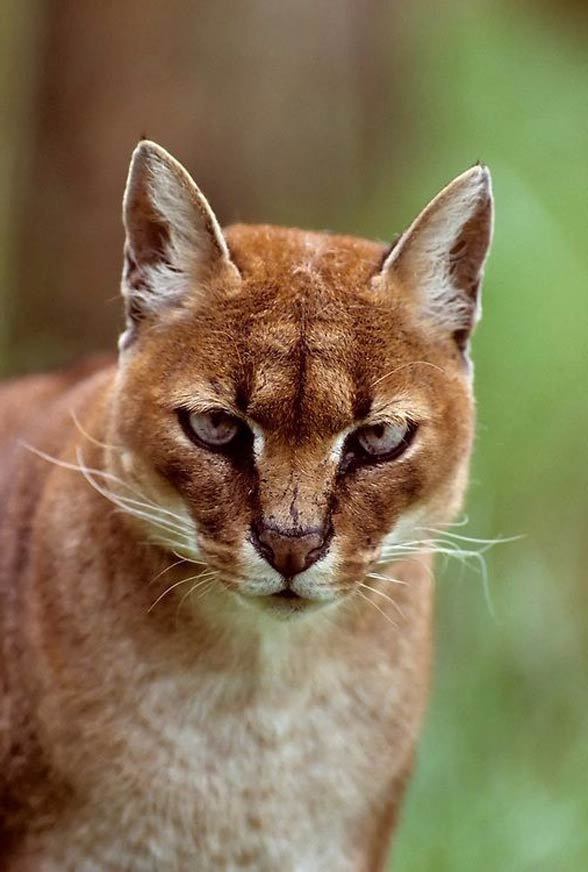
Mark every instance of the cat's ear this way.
pixel 439 260
pixel 173 239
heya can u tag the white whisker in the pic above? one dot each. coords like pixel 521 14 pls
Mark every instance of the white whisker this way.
pixel 127 505
pixel 88 472
pixel 74 467
pixel 208 581
pixel 385 595
pixel 90 438
pixel 126 509
pixel 190 559
pixel 448 545
pixel 165 520
pixel 208 587
pixel 404 366
pixel 168 568
pixel 177 521
pixel 463 523
pixel 500 540
pixel 376 606
pixel 385 578
pixel 170 588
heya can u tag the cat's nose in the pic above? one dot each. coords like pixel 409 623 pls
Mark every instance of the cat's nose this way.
pixel 289 551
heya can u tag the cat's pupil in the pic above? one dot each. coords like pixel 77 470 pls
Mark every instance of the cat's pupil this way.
pixel 378 431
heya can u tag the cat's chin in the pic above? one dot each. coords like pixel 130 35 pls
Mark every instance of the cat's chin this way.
pixel 285 605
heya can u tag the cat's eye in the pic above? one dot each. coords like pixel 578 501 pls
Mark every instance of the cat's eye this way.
pixel 380 439
pixel 214 429
pixel 384 440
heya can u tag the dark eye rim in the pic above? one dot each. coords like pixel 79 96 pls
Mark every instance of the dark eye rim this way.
pixel 355 455
pixel 242 438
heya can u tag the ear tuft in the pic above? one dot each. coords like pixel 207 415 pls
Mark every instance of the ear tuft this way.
pixel 173 239
pixel 440 259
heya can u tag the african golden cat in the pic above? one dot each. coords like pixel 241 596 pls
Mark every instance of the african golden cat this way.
pixel 214 565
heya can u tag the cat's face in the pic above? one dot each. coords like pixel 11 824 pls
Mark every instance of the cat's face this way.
pixel 292 398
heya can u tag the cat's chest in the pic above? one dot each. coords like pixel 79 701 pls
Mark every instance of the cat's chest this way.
pixel 279 779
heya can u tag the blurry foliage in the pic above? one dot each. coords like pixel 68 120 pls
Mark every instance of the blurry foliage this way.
pixel 501 778
pixel 500 781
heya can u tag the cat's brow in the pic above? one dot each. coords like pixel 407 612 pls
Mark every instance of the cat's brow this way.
pixel 242 393
pixel 361 403
pixel 203 401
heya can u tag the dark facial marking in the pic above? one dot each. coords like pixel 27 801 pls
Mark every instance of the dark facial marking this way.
pixel 242 396
pixel 362 402
pixel 301 354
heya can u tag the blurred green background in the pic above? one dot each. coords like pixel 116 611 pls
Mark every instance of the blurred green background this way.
pixel 351 116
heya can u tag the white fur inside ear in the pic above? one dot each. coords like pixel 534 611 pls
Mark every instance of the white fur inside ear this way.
pixel 172 234
pixel 425 256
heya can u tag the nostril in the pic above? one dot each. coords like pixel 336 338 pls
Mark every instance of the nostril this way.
pixel 311 549
pixel 314 554
pixel 259 540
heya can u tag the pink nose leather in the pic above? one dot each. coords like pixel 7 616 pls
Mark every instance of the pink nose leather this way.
pixel 290 552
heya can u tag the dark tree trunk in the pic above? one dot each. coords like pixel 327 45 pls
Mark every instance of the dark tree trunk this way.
pixel 278 109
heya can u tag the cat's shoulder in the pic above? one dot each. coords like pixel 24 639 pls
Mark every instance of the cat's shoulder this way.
pixel 31 406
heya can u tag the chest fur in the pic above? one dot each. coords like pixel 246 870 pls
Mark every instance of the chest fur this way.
pixel 207 776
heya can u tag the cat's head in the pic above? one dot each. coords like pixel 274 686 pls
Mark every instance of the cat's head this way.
pixel 294 406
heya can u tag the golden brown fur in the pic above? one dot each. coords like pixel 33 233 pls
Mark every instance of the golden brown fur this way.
pixel 145 729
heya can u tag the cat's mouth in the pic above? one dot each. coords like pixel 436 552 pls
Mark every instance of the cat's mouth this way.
pixel 285 603
pixel 286 594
